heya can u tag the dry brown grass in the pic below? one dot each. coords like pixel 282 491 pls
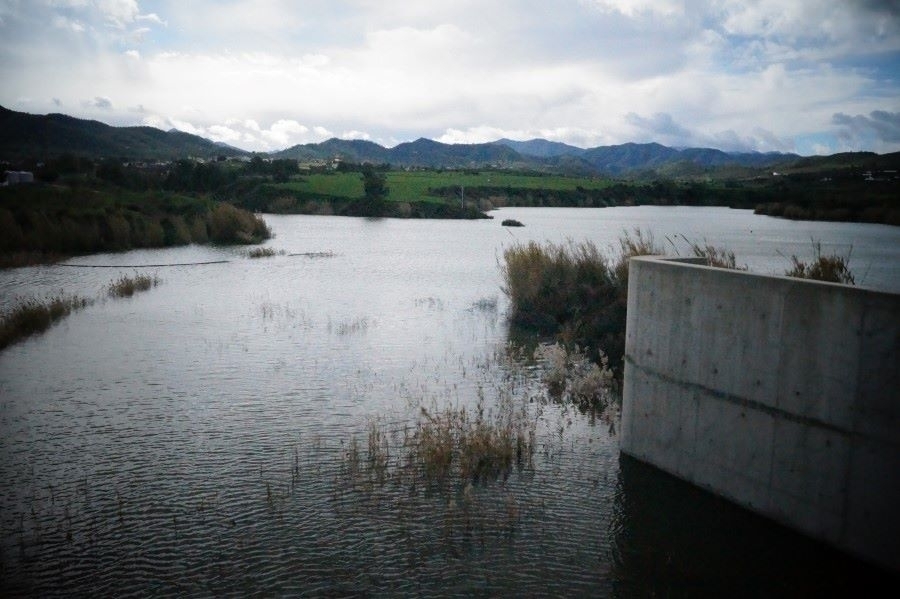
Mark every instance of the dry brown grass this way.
pixel 127 286
pixel 833 268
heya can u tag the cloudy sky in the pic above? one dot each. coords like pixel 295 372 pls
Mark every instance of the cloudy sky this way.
pixel 806 76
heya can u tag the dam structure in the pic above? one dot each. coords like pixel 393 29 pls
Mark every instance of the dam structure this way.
pixel 779 394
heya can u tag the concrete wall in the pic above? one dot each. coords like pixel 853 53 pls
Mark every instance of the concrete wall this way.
pixel 780 394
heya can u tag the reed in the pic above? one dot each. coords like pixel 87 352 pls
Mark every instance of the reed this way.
pixel 36 316
pixel 715 256
pixel 449 448
pixel 570 375
pixel 127 286
pixel 574 291
pixel 228 224
pixel 264 252
pixel 832 268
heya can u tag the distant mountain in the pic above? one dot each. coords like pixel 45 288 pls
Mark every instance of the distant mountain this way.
pixel 24 135
pixel 422 152
pixel 541 148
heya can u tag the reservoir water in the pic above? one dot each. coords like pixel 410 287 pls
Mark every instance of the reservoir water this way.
pixel 195 440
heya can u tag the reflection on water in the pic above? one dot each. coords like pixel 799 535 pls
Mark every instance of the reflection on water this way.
pixel 672 539
pixel 195 439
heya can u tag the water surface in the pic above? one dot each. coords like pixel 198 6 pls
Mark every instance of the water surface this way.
pixel 192 440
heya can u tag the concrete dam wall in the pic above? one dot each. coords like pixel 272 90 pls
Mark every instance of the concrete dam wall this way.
pixel 782 395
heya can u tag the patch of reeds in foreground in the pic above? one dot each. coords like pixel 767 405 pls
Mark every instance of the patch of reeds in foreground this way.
pixel 35 316
pixel 450 448
pixel 126 286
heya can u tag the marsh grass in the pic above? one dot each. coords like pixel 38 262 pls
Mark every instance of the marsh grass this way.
pixel 445 448
pixel 832 268
pixel 574 291
pixel 570 375
pixel 264 252
pixel 127 286
pixel 36 316
pixel 715 256
pixel 349 327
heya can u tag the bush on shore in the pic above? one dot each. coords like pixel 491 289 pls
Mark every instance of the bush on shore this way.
pixel 42 228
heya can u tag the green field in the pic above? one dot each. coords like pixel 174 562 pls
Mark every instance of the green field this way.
pixel 414 186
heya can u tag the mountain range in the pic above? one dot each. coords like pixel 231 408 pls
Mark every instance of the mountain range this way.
pixel 24 136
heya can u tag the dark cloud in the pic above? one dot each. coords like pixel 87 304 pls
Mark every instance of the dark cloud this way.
pixel 660 125
pixel 891 7
pixel 883 125
pixel 101 103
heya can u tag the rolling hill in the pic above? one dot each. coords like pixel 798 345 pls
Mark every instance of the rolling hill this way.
pixel 27 136
pixel 24 135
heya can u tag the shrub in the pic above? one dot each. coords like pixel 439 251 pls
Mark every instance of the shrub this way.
pixel 228 224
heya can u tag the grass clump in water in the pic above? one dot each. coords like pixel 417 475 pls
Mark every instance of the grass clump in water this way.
pixel 574 291
pixel 832 268
pixel 264 252
pixel 127 286
pixel 36 316
pixel 571 375
pixel 449 448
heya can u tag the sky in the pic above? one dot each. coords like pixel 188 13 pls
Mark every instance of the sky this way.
pixel 804 76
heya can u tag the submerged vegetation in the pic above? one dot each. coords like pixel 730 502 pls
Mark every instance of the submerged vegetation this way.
pixel 454 445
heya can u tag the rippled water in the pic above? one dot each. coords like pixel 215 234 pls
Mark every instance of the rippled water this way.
pixel 193 439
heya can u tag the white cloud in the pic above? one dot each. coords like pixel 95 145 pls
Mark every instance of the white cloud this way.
pixel 632 8
pixel 353 134
pixel 245 133
pixel 754 73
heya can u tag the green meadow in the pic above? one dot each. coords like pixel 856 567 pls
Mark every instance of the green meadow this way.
pixel 415 186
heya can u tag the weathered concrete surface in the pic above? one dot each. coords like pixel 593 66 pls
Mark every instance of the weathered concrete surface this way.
pixel 780 394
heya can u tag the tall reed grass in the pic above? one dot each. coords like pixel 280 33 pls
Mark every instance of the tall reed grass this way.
pixel 832 268
pixel 574 291
pixel 449 447
pixel 36 316
pixel 127 286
